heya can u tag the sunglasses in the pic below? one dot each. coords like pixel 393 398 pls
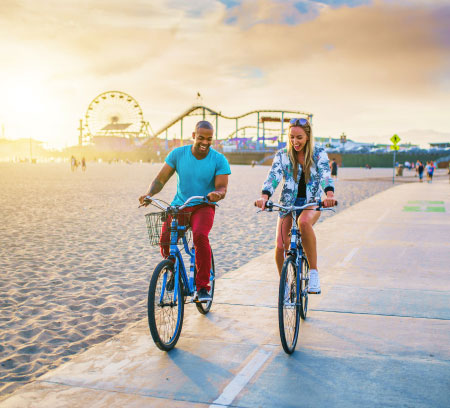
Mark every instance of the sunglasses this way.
pixel 298 122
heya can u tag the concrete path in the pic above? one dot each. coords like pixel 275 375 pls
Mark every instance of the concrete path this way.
pixel 378 335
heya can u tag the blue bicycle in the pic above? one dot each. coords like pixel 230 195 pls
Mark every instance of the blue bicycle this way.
pixel 170 286
pixel 294 280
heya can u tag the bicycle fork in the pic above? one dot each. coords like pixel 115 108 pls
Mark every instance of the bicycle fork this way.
pixel 191 270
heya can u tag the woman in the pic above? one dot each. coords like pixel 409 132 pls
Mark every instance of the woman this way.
pixel 306 173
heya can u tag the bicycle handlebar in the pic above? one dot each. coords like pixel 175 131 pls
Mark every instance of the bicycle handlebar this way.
pixel 154 201
pixel 270 205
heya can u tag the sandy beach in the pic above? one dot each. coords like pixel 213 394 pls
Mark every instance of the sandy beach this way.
pixel 75 260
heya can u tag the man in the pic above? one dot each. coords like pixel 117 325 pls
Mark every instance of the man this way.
pixel 201 171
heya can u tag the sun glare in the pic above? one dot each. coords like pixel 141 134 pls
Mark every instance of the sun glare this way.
pixel 26 98
pixel 26 107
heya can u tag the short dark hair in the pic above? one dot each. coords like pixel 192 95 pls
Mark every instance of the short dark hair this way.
pixel 204 124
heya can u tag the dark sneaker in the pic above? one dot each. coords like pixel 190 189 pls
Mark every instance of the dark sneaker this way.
pixel 203 296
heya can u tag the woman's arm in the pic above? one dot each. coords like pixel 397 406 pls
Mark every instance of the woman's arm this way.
pixel 273 179
pixel 274 176
pixel 325 179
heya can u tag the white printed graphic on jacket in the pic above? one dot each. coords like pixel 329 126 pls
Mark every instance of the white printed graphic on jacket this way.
pixel 320 177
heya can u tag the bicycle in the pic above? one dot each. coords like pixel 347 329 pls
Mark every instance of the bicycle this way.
pixel 293 289
pixel 170 286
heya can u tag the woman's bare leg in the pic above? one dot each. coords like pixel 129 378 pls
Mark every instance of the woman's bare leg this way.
pixel 282 240
pixel 306 221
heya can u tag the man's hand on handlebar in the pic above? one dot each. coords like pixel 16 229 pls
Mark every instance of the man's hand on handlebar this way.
pixel 215 196
pixel 144 200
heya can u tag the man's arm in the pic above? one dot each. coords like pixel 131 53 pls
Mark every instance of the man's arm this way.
pixel 158 183
pixel 160 180
pixel 220 185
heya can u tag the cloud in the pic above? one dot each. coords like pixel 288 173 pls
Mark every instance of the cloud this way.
pixel 349 62
pixel 340 3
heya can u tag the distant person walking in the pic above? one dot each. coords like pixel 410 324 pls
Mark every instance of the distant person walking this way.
pixel 334 168
pixel 420 169
pixel 83 164
pixel 430 170
pixel 73 163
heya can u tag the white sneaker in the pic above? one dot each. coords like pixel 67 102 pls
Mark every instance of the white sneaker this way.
pixel 314 282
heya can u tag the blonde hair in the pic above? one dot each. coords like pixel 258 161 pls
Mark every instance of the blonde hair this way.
pixel 308 149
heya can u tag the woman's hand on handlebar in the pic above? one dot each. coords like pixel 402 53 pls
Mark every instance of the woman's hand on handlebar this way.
pixel 261 202
pixel 330 201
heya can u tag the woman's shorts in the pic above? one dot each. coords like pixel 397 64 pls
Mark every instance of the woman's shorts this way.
pixel 299 202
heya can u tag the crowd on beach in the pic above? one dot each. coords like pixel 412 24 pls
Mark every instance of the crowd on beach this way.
pixel 420 168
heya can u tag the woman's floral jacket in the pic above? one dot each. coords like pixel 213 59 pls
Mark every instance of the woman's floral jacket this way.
pixel 320 177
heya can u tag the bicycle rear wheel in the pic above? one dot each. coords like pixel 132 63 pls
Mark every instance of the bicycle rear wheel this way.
pixel 288 305
pixel 304 281
pixel 204 308
pixel 165 311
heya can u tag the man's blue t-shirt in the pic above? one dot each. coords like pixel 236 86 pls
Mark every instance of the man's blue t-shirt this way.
pixel 195 177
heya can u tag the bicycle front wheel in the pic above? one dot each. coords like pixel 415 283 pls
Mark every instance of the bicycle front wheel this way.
pixel 288 305
pixel 165 306
pixel 204 308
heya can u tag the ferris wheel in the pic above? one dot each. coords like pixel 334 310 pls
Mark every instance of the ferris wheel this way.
pixel 115 113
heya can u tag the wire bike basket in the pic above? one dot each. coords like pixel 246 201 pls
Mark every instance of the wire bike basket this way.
pixel 159 227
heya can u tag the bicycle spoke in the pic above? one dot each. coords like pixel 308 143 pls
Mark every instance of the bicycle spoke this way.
pixel 166 314
pixel 303 287
pixel 288 306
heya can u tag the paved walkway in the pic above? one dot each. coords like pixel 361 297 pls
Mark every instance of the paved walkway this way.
pixel 378 335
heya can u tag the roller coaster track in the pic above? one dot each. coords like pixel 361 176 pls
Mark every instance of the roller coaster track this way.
pixel 249 127
pixel 191 112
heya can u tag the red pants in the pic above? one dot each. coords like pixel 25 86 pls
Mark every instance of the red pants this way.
pixel 201 221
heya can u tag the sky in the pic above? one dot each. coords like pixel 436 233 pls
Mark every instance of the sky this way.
pixel 369 68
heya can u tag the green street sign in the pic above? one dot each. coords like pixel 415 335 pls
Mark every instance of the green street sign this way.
pixel 395 139
pixel 395 147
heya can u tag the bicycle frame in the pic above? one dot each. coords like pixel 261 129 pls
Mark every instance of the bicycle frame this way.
pixel 175 253
pixel 170 285
pixel 296 249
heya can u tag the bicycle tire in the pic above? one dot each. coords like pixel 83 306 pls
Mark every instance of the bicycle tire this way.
pixel 165 327
pixel 204 308
pixel 304 281
pixel 289 306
